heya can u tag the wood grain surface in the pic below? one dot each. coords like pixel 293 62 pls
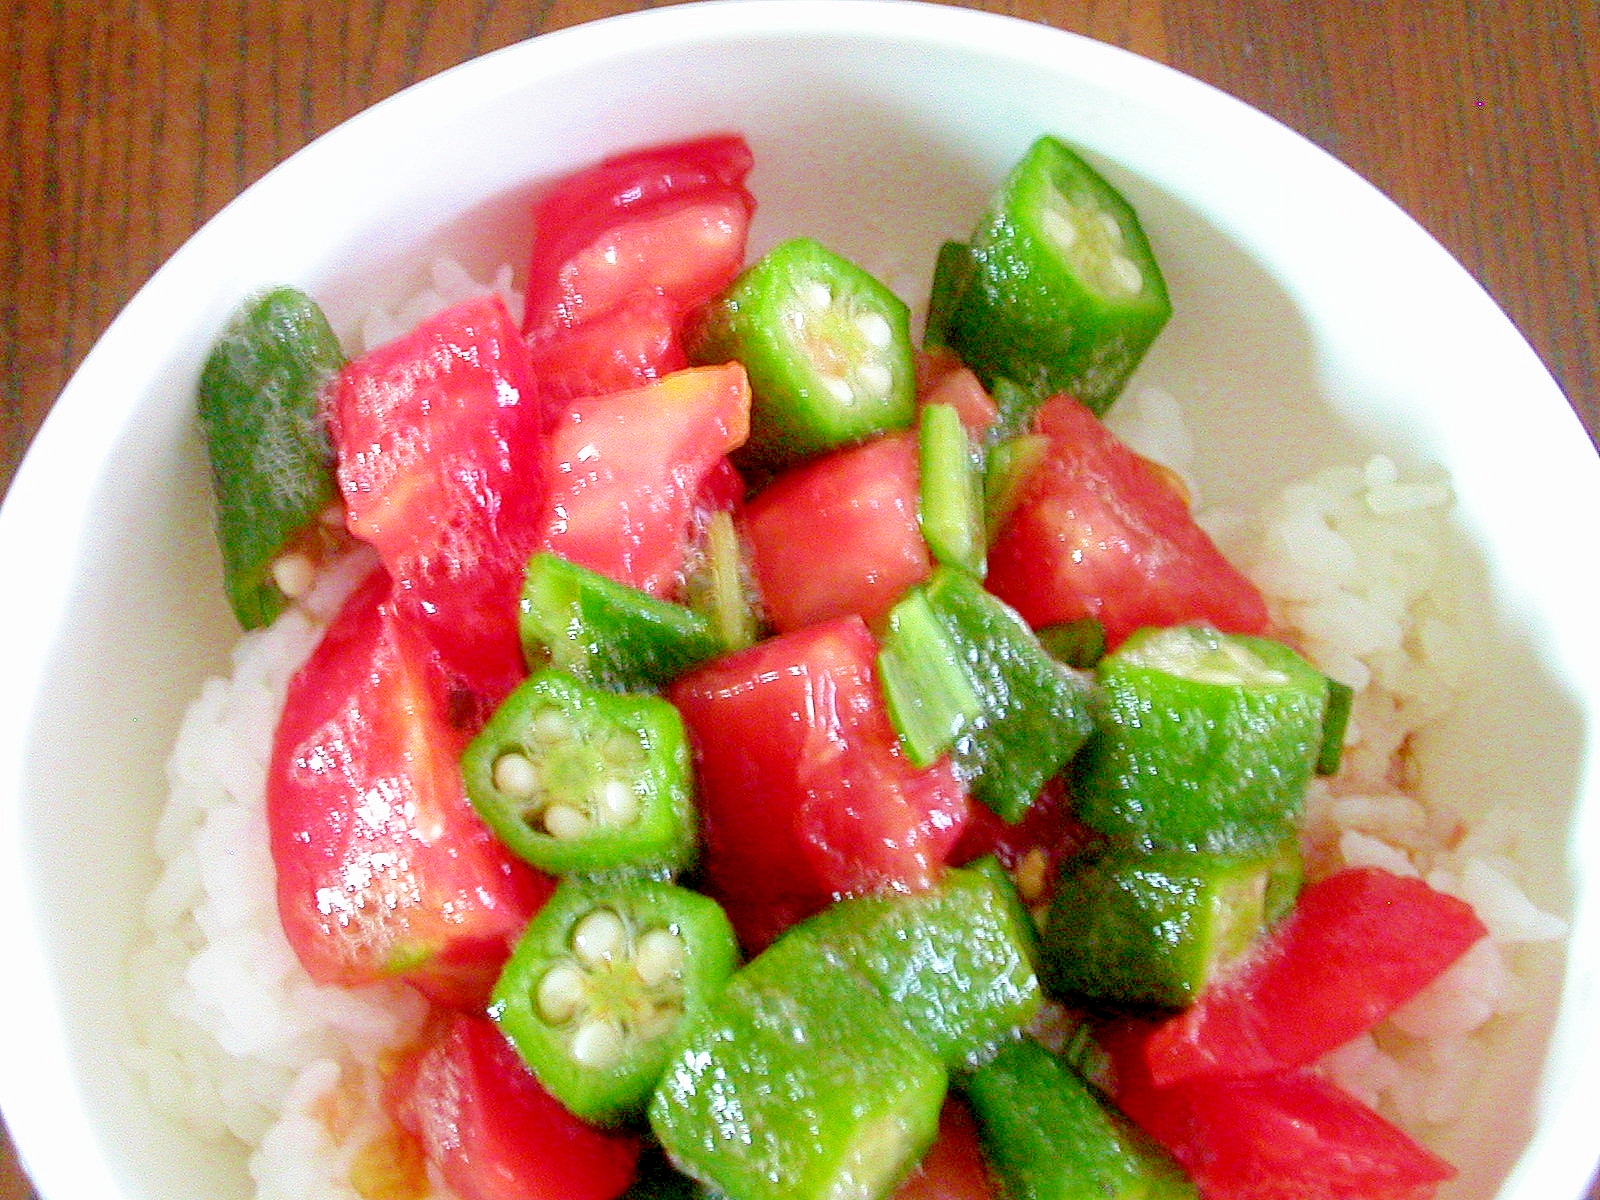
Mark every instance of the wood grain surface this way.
pixel 128 123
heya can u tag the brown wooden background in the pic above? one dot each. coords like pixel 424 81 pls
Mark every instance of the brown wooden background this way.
pixel 127 123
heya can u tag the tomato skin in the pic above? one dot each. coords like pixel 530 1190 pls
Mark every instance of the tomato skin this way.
pixel 1358 944
pixel 627 470
pixel 1098 532
pixel 638 341
pixel 383 869
pixel 804 793
pixel 493 1132
pixel 441 447
pixel 671 219
pixel 953 1168
pixel 1289 1135
pixel 839 535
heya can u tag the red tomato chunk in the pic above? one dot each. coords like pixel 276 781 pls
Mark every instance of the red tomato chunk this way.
pixel 1099 532
pixel 383 869
pixel 493 1132
pixel 804 793
pixel 839 536
pixel 627 472
pixel 1289 1135
pixel 1358 944
pixel 953 1168
pixel 442 464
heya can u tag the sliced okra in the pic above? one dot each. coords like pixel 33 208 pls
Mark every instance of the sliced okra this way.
pixel 950 505
pixel 575 779
pixel 952 271
pixel 604 632
pixel 924 677
pixel 826 346
pixel 1047 1135
pixel 1080 643
pixel 1009 466
pixel 1204 741
pixel 1064 294
pixel 721 589
pixel 954 961
pixel 272 464
pixel 601 981
pixel 798 1083
pixel 1341 696
pixel 1035 712
pixel 1128 928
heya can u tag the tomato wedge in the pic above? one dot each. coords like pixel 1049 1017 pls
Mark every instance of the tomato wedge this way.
pixel 839 535
pixel 804 793
pixel 383 869
pixel 638 341
pixel 490 1129
pixel 1100 532
pixel 441 446
pixel 1358 944
pixel 666 219
pixel 1290 1135
pixel 627 470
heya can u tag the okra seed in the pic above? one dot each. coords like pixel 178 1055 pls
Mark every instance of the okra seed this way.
pixel 552 726
pixel 1058 227
pixel 839 389
pixel 294 574
pixel 1110 228
pixel 515 775
pixel 598 1044
pixel 874 377
pixel 875 329
pixel 656 1020
pixel 658 956
pixel 560 993
pixel 623 748
pixel 817 295
pixel 598 938
pixel 618 803
pixel 1124 273
pixel 564 822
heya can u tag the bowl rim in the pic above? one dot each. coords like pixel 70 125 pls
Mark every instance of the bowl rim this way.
pixel 38 1095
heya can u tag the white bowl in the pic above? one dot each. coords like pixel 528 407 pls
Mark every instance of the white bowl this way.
pixel 1315 323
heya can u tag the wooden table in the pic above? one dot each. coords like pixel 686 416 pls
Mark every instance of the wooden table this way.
pixel 130 122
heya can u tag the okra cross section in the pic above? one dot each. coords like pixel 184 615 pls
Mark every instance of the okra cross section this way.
pixel 1060 291
pixel 575 779
pixel 600 982
pixel 1203 741
pixel 826 346
pixel 798 1083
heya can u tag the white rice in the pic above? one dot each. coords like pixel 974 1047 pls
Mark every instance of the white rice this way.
pixel 236 1041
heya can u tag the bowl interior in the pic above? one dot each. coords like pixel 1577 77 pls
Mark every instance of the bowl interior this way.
pixel 1315 324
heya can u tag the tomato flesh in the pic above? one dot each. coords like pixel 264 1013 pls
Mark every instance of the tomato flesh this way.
pixel 441 448
pixel 953 1168
pixel 383 869
pixel 627 471
pixel 1358 944
pixel 1289 1135
pixel 637 342
pixel 839 535
pixel 493 1132
pixel 1099 532
pixel 667 219
pixel 942 379
pixel 804 793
